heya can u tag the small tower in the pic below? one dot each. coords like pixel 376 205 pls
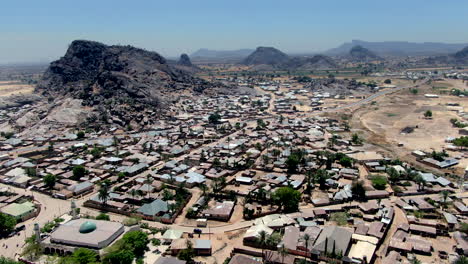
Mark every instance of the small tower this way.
pixel 37 232
pixel 73 209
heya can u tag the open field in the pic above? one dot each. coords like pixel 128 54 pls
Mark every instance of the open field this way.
pixel 390 115
pixel 8 88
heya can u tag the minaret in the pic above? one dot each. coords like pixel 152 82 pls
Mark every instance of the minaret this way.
pixel 37 232
pixel 73 209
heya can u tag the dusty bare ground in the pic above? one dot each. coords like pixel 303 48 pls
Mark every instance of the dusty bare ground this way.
pixel 382 122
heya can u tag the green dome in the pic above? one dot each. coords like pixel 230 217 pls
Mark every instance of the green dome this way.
pixel 87 227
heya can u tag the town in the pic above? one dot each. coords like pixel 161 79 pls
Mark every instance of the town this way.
pixel 282 176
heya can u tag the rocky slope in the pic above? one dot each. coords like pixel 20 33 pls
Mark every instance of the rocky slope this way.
pixel 100 74
pixel 118 81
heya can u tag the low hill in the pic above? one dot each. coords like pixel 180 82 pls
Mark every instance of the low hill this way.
pixel 359 53
pixel 266 56
pixel 184 60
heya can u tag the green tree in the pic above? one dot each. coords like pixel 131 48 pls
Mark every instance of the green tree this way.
pixel 321 177
pixel 283 252
pixel 461 260
pixel 393 175
pixel 355 139
pixel 444 195
pixel 78 172
pixel 262 242
pixel 420 182
pixel 119 257
pixel 307 239
pixel 96 152
pixel 287 199
pixel 388 81
pixel 84 256
pixel 461 142
pixel 137 241
pixel 358 190
pixel 7 223
pixel 49 180
pixel 428 114
pixel 104 192
pixel 464 228
pixel 188 253
pixel 80 134
pixel 214 118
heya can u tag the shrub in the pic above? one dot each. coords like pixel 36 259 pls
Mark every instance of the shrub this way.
pixel 103 216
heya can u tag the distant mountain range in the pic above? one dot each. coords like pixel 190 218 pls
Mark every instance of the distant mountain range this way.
pixel 221 54
pixel 399 48
pixel 457 58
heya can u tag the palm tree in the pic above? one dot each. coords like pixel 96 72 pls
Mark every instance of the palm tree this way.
pixel 420 181
pixel 415 261
pixel 306 238
pixel 283 251
pixel 204 189
pixel 262 240
pixel 393 175
pixel 148 181
pixel 444 195
pixel 103 193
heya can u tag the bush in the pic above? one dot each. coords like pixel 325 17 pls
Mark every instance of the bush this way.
pixel 155 242
pixel 131 221
pixel 103 216
pixel 80 134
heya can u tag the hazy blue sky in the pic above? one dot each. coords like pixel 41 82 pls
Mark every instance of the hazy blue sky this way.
pixel 41 29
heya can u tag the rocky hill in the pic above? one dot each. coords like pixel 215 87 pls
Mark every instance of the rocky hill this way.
pixel 461 56
pixel 121 83
pixel 359 53
pixel 184 60
pixel 266 56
